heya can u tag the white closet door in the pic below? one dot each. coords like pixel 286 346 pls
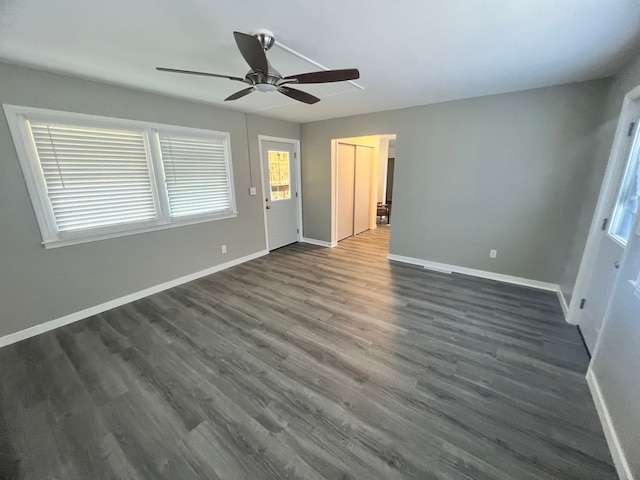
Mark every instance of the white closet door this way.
pixel 362 209
pixel 346 183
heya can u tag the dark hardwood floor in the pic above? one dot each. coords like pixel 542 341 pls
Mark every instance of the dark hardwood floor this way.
pixel 308 363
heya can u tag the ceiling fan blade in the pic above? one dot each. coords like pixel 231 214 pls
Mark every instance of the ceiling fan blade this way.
pixel 252 52
pixel 325 76
pixel 204 74
pixel 240 94
pixel 299 95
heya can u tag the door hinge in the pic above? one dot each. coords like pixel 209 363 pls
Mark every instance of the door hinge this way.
pixel 296 194
pixel 295 154
pixel 631 126
pixel 604 223
pixel 582 302
pixel 297 230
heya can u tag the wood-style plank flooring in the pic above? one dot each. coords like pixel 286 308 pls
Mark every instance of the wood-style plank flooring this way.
pixel 308 363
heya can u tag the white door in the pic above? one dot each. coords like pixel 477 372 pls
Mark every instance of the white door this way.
pixel 346 185
pixel 616 361
pixel 616 228
pixel 280 192
pixel 362 206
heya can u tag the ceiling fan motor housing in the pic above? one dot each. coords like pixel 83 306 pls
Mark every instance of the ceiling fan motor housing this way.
pixel 265 37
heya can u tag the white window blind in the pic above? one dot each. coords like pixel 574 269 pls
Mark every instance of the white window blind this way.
pixel 94 177
pixel 196 174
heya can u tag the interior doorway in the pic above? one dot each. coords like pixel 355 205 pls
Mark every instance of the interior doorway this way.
pixel 280 172
pixel 359 185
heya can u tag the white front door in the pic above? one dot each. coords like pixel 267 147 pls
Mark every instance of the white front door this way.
pixel 616 229
pixel 280 192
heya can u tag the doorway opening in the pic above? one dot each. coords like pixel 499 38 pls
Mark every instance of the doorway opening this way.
pixel 362 188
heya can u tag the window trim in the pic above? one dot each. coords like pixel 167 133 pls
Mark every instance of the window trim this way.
pixel 17 119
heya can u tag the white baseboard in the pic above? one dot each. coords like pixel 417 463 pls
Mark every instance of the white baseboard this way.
pixel 103 307
pixel 320 243
pixel 563 304
pixel 446 268
pixel 617 453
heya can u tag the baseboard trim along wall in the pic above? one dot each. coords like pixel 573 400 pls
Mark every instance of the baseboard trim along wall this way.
pixel 446 268
pixel 617 453
pixel 563 304
pixel 103 307
pixel 320 243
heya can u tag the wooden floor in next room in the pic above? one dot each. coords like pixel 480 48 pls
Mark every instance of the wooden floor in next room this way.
pixel 310 363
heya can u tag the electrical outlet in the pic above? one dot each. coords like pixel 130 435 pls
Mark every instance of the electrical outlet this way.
pixel 224 249
pixel 253 191
pixel 493 253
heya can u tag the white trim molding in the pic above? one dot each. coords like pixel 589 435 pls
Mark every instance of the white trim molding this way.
pixel 615 447
pixel 446 268
pixel 117 302
pixel 320 243
pixel 563 303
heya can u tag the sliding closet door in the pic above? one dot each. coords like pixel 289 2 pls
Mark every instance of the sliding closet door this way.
pixel 362 210
pixel 346 183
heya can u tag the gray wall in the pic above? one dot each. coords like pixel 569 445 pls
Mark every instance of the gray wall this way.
pixel 616 363
pixel 37 285
pixel 505 171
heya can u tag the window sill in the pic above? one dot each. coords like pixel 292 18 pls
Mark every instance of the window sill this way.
pixel 123 233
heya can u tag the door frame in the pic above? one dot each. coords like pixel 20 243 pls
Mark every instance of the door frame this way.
pixel 613 174
pixel 334 185
pixel 296 159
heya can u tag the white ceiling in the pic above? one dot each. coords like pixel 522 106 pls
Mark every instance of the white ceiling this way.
pixel 410 52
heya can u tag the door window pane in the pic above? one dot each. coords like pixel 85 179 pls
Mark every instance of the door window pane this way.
pixel 627 202
pixel 279 175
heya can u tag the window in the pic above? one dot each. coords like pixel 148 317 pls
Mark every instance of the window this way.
pixel 93 177
pixel 196 174
pixel 279 174
pixel 626 206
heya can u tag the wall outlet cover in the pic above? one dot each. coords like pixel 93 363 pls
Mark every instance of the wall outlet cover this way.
pixel 224 249
pixel 253 191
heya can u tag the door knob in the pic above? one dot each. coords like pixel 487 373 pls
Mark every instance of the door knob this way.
pixel 617 264
pixel 268 207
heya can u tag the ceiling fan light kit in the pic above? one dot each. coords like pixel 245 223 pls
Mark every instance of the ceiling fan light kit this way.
pixel 264 78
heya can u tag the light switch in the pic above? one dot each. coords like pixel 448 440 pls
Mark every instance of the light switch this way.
pixel 253 191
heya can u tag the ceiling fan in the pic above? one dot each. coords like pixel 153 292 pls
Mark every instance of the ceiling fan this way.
pixel 264 78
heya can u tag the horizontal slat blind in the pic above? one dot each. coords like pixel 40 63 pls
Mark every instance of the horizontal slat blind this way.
pixel 95 177
pixel 196 173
